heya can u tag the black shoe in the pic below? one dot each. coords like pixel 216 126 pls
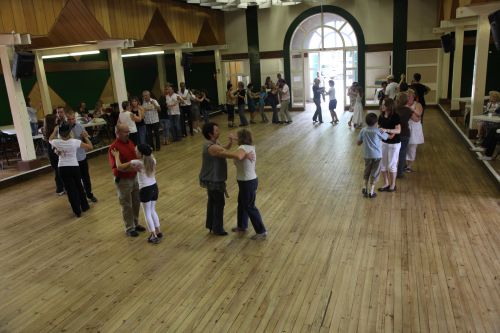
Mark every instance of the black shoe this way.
pixel 85 209
pixel 140 228
pixel 365 192
pixel 93 199
pixel 132 233
pixel 222 233
pixel 78 214
pixel 391 189
pixel 153 240
pixel 321 122
pixel 384 189
pixel 372 195
pixel 159 235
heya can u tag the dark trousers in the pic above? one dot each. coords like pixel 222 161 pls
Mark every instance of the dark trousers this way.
pixel 490 141
pixel 215 211
pixel 246 206
pixel 54 161
pixel 276 118
pixel 241 113
pixel 186 116
pixel 153 130
pixel 402 155
pixel 230 112
pixel 318 111
pixel 84 172
pixel 73 184
pixel 176 127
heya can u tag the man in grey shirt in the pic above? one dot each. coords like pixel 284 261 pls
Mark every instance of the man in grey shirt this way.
pixel 77 130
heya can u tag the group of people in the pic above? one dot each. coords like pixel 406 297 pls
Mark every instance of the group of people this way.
pixel 170 114
pixel 134 169
pixel 489 132
pixel 272 94
pixel 391 141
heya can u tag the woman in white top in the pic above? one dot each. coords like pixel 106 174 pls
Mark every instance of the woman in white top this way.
pixel 357 117
pixel 416 132
pixel 247 183
pixel 145 165
pixel 69 169
pixel 128 118
pixel 332 105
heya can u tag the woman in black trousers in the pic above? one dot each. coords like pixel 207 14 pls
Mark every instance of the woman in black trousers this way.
pixel 69 169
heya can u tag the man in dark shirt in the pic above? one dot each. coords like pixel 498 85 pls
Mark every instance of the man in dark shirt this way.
pixel 420 90
pixel 317 93
pixel 404 113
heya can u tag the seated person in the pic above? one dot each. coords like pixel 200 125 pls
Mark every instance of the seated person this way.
pixel 490 108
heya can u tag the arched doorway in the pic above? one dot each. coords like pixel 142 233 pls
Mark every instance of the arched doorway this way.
pixel 327 43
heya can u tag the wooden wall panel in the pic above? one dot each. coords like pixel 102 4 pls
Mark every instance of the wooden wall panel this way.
pixel 116 18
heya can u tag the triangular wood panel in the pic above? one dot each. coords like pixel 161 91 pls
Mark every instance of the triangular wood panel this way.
pixel 76 24
pixel 158 32
pixel 107 95
pixel 206 36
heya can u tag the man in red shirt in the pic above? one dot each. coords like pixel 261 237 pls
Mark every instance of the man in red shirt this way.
pixel 126 184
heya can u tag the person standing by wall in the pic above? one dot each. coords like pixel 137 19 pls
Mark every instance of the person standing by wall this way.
pixel 152 120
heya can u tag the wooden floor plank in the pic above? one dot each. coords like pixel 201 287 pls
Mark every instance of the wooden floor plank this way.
pixel 425 258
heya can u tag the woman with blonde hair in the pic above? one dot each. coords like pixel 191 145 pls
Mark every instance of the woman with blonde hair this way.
pixel 145 165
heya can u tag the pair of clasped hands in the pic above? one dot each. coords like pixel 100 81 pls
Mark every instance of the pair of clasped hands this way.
pixel 234 138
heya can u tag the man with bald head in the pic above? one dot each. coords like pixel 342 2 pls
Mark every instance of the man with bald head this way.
pixel 126 184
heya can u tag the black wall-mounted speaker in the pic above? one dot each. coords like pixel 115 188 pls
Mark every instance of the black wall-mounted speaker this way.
pixel 23 64
pixel 448 43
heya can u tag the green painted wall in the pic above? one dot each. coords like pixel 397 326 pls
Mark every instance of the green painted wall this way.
pixel 5 115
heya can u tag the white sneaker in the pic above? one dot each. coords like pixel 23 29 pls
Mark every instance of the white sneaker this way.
pixel 486 158
pixel 478 149
pixel 259 236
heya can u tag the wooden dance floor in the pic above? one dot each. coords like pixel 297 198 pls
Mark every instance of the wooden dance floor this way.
pixel 423 259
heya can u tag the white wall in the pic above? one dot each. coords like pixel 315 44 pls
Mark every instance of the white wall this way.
pixel 374 16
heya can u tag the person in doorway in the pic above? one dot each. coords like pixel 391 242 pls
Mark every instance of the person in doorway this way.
pixel 318 92
pixel 332 104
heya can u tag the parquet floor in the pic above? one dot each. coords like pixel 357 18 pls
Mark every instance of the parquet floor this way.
pixel 422 259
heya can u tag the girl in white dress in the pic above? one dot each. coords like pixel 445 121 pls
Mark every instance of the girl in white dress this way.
pixel 357 117
pixel 417 134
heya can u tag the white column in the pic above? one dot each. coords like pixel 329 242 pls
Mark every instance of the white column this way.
pixel 117 75
pixel 162 72
pixel 17 106
pixel 457 67
pixel 179 70
pixel 480 66
pixel 42 84
pixel 445 74
pixel 221 85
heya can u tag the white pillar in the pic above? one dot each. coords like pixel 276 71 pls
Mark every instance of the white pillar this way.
pixel 117 75
pixel 179 70
pixel 221 85
pixel 480 66
pixel 457 67
pixel 17 106
pixel 42 84
pixel 445 74
pixel 162 72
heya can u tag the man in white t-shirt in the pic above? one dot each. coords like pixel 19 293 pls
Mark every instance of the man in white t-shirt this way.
pixel 285 101
pixel 392 87
pixel 173 100
pixel 185 94
pixel 152 120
